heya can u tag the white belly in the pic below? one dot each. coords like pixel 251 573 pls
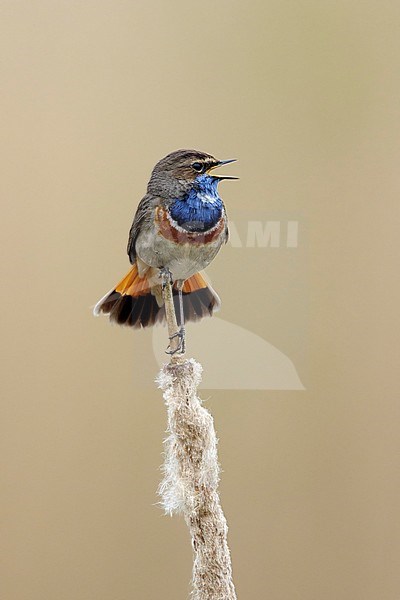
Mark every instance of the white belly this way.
pixel 183 260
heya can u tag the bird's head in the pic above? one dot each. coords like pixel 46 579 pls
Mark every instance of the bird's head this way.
pixel 176 174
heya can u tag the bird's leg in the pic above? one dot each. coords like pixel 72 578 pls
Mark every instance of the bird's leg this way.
pixel 182 317
pixel 181 334
pixel 175 335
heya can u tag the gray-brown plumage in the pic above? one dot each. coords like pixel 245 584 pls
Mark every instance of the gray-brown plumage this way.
pixel 179 226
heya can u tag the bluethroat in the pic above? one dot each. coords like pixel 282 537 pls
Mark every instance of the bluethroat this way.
pixel 178 229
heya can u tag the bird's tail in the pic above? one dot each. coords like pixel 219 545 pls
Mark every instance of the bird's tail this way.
pixel 137 302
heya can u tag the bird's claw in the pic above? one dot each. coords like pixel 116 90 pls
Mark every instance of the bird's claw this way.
pixel 181 347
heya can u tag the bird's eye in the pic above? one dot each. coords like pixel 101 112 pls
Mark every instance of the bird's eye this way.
pixel 199 167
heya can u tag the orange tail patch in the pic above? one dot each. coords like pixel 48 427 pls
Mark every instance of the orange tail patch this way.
pixel 133 302
pixel 195 282
pixel 132 284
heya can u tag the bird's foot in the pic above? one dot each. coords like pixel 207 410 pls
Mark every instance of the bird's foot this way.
pixel 181 347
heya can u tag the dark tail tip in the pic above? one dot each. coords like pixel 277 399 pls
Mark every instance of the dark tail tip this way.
pixel 144 311
pixel 137 312
pixel 197 304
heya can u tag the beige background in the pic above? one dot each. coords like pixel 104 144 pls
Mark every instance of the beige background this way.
pixel 305 93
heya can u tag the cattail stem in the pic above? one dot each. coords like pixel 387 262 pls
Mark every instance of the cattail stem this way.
pixel 191 476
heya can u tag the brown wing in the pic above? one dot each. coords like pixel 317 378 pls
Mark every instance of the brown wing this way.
pixel 143 214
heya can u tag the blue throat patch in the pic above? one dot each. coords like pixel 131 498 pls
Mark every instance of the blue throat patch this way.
pixel 201 208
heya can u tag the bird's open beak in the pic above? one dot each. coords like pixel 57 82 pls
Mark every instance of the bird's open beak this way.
pixel 220 163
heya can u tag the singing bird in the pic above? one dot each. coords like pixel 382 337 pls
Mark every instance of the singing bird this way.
pixel 178 229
